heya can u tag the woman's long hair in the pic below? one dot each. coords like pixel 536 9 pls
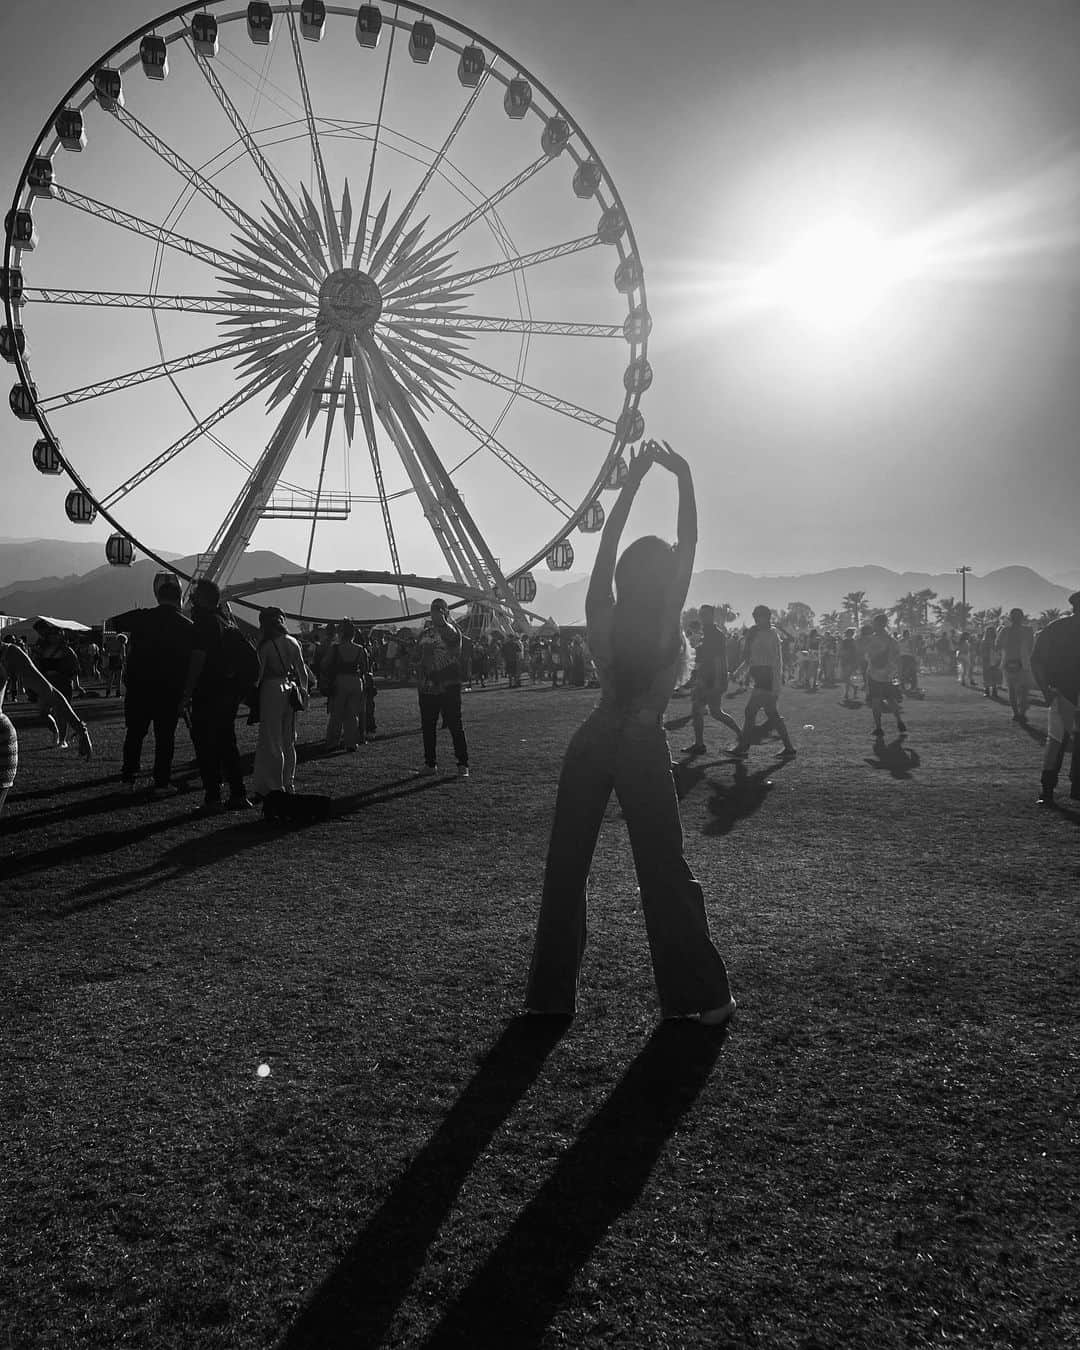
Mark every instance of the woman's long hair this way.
pixel 271 626
pixel 641 646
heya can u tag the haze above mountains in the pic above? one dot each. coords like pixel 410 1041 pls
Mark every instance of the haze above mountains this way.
pixel 66 579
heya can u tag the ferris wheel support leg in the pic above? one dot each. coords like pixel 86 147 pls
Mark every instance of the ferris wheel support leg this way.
pixel 492 578
pixel 429 502
pixel 239 525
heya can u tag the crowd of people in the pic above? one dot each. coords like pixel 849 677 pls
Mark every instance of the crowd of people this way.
pixel 200 668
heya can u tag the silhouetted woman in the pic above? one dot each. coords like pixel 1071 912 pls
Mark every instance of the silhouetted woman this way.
pixel 640 654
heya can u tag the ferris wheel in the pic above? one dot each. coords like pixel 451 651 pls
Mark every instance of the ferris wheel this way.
pixel 349 283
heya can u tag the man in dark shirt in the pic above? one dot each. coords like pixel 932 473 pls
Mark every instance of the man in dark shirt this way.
pixel 159 653
pixel 1055 666
pixel 710 680
pixel 212 699
pixel 440 689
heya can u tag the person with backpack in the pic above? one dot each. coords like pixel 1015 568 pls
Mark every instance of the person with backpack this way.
pixel 222 669
pixel 343 680
pixel 157 664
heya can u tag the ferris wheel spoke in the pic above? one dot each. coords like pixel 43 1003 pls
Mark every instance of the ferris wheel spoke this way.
pixel 266 173
pixel 192 304
pixel 236 529
pixel 158 233
pixel 360 244
pixel 436 164
pixel 222 351
pixel 516 264
pixel 182 167
pixel 363 399
pixel 330 219
pixel 188 438
pixel 481 209
pixel 481 323
pixel 488 440
pixel 463 365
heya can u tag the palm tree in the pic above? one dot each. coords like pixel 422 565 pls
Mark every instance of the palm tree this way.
pixel 1047 617
pixel 924 597
pixel 908 610
pixel 832 620
pixel 853 604
pixel 948 612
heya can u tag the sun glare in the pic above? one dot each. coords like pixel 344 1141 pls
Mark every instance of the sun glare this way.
pixel 835 276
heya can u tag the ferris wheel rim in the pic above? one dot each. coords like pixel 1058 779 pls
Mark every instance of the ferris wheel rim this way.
pixel 23 200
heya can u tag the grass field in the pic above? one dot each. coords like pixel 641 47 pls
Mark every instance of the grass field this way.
pixel 883 1152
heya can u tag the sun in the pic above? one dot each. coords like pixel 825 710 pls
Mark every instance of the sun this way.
pixel 835 277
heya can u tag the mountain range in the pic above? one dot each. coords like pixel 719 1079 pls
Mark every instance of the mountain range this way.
pixel 64 579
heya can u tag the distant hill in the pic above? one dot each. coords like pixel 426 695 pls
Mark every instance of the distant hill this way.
pixel 106 590
pixel 28 563
pixel 824 591
pixel 110 590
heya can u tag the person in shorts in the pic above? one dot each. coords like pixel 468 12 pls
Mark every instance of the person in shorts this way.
pixel 881 652
pixel 763 657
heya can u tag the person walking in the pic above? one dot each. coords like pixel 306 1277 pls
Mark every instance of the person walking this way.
pixel 763 657
pixel 710 681
pixel 440 689
pixel 1014 645
pixel 1055 666
pixel 990 661
pixel 211 698
pixel 345 674
pixel 115 645
pixel 637 643
pixel 159 653
pixel 882 654
pixel 283 682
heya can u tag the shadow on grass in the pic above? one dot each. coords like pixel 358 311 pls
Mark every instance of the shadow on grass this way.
pixel 519 1289
pixel 206 849
pixel 1037 735
pixel 895 758
pixel 356 1303
pixel 75 850
pixel 747 793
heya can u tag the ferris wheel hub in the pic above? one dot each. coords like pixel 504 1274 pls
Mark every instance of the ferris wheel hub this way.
pixel 350 303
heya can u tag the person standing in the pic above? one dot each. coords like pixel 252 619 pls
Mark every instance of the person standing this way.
pixel 282 670
pixel 849 664
pixel 882 654
pixel 1014 646
pixel 211 697
pixel 115 645
pixel 1055 666
pixel 640 652
pixel 440 689
pixel 991 663
pixel 345 672
pixel 158 658
pixel 710 681
pixel 763 656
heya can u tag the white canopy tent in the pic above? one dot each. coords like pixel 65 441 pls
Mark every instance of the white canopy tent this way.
pixel 25 627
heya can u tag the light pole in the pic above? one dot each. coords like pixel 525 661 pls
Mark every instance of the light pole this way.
pixel 963 593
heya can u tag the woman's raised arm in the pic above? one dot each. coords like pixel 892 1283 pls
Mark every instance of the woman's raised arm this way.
pixel 601 593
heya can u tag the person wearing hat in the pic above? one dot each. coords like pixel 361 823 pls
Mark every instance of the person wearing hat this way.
pixel 158 655
pixel 1055 667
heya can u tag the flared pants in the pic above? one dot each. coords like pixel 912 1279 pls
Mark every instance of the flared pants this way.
pixel 630 756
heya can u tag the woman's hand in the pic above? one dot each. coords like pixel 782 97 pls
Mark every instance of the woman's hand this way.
pixel 640 462
pixel 668 459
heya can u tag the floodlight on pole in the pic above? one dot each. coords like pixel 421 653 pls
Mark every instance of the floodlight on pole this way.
pixel 963 571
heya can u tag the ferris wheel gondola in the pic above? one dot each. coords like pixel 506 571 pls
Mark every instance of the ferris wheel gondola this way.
pixel 374 320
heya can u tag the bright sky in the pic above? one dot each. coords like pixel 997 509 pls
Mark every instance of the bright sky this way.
pixel 860 227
